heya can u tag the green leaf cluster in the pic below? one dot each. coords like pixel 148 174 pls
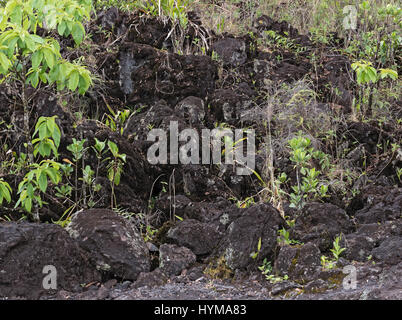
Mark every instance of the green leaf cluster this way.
pixel 49 137
pixel 37 59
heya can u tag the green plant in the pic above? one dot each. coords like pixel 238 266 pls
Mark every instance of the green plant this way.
pixel 77 149
pixel 63 222
pixel 336 251
pixel 284 238
pixel 115 168
pixel 36 182
pixel 90 183
pixel 117 120
pixel 277 41
pixel 247 202
pixel 266 267
pixel 367 76
pixel 308 185
pixel 366 73
pixel 174 9
pixel 327 263
pixel 49 137
pixel 99 149
pixel 149 233
pixel 29 59
pixel 399 174
pixel 5 191
pixel 266 270
pixel 255 254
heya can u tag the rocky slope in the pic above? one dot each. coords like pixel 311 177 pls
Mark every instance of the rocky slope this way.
pixel 206 252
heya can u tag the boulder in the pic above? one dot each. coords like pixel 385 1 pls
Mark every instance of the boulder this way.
pixel 231 51
pixel 389 251
pixel 148 74
pixel 261 221
pixel 321 223
pixel 174 259
pixel 380 204
pixel 200 237
pixel 192 109
pixel 115 246
pixel 27 248
pixel 301 263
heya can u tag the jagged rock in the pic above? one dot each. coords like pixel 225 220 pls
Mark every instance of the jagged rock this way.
pixel 148 74
pixel 283 287
pixel 231 51
pixel 243 234
pixel 114 245
pixel 321 223
pixel 380 204
pixel 299 262
pixel 389 251
pixel 26 248
pixel 150 279
pixel 173 259
pixel 358 247
pixel 192 109
pixel 200 237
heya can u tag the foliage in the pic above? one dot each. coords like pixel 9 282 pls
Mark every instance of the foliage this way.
pixel 117 120
pixel 266 270
pixel 35 182
pixel 275 40
pixel 284 238
pixel 5 191
pixel 308 186
pixel 115 168
pixel 174 9
pixel 336 251
pixel 32 58
pixel 49 137
pixel 255 254
pixel 366 73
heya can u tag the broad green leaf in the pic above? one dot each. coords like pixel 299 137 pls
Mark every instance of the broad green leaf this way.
pixel 28 204
pixel 30 190
pixel 113 148
pixel 42 182
pixel 61 28
pixel 56 136
pixel 388 73
pixel 37 57
pixel 37 39
pixel 4 62
pixel 372 74
pixel 43 131
pixel 83 85
pixel 49 57
pixel 50 124
pixel 54 175
pixel 43 77
pixel 16 15
pixel 117 178
pixel 73 80
pixel 34 79
pixel 11 47
pixel 78 32
pixel 30 43
pixel 4 192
